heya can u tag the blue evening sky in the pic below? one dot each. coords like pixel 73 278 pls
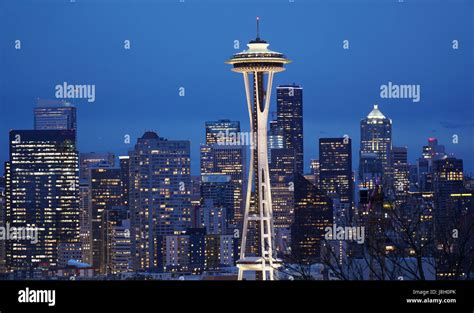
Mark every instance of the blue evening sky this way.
pixel 176 44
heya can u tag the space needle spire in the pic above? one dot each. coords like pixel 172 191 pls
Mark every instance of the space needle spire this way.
pixel 258 65
pixel 258 28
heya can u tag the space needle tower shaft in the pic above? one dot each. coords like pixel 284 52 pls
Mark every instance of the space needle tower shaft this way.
pixel 258 65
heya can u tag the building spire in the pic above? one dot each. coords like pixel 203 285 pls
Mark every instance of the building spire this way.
pixel 376 113
pixel 258 28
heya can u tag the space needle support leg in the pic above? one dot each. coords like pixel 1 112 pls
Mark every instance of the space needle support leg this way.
pixel 249 179
pixel 260 184
pixel 268 196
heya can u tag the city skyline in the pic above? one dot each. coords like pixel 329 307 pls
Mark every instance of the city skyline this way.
pixel 256 210
pixel 151 149
pixel 323 102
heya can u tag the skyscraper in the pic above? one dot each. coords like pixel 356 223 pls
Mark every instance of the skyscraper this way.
pixel 376 139
pixel 400 173
pixel 85 221
pixel 160 188
pixel 42 193
pixel 224 154
pixel 313 213
pixel 335 168
pixel 89 159
pixel 219 130
pixel 55 115
pixel 220 190
pixel 433 151
pixel 125 178
pixel 448 179
pixel 276 136
pixel 228 160
pixel 315 170
pixel 453 219
pixel 283 210
pixel 117 244
pixel 106 194
pixel 259 61
pixel 282 170
pixel 290 120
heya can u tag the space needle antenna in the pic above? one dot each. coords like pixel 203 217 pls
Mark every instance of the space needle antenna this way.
pixel 258 27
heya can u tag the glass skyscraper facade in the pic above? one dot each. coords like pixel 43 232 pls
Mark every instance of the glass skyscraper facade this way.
pixel 42 193
pixel 290 120
pixel 313 213
pixel 55 115
pixel 375 141
pixel 216 131
pixel 335 170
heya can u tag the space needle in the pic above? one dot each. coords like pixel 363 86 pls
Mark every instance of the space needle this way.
pixel 259 63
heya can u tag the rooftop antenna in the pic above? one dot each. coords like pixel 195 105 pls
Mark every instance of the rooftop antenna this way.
pixel 258 28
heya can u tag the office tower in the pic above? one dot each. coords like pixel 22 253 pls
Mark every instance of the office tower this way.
pixel 2 223
pixel 219 251
pixel 413 177
pixel 400 173
pixel 456 238
pixel 276 136
pixel 227 160
pixel 370 171
pixel 176 253
pixel 125 178
pixel 335 168
pixel 42 194
pixel 228 250
pixel 106 193
pixel 117 240
pixel 430 153
pixel 197 257
pixel 217 132
pixel 433 151
pixel 259 62
pixel 214 218
pixel 452 219
pixel 315 170
pixel 290 119
pixel 120 248
pixel 160 182
pixel 85 221
pixel 377 229
pixel 424 175
pixel 282 169
pixel 282 201
pixel 283 210
pixel 276 139
pixel 195 201
pixel 87 160
pixel 55 115
pixel 376 139
pixel 313 213
pixel 220 192
pixel 213 247
pixel 282 162
pixel 447 180
pixel 67 252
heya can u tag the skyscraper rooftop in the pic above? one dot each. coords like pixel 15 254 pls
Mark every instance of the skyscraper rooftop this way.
pixel 376 113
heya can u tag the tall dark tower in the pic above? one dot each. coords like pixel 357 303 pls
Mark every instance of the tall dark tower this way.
pixel 259 62
pixel 290 120
pixel 335 180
